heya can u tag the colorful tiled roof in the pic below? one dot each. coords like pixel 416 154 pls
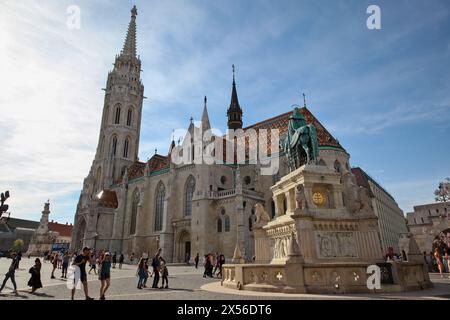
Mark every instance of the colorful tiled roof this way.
pixel 281 122
pixel 135 170
pixel 64 230
pixel 108 199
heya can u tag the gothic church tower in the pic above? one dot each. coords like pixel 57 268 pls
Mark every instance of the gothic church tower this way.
pixel 118 143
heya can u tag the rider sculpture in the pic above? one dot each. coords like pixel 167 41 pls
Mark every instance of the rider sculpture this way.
pixel 300 145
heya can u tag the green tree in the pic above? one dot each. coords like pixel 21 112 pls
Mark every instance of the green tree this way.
pixel 18 244
pixel 442 193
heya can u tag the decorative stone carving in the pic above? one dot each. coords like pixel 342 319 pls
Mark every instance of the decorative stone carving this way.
pixel 281 248
pixel 356 198
pixel 336 244
pixel 350 192
pixel 262 217
pixel 300 197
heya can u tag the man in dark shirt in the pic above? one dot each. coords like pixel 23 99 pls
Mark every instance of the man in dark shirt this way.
pixel 80 261
pixel 156 263
pixel 12 272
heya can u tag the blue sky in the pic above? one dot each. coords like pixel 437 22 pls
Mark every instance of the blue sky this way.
pixel 383 93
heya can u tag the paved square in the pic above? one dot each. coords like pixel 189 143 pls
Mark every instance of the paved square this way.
pixel 185 282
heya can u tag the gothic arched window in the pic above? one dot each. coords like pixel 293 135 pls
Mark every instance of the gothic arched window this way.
pixel 125 147
pixel 188 195
pixel 219 225
pixel 129 117
pixel 114 146
pixel 117 117
pixel 337 166
pixel 272 208
pixel 102 145
pixel 134 208
pixel 159 206
pixel 227 223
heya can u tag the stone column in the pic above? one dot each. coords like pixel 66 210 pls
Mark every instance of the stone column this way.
pixel 262 245
pixel 118 224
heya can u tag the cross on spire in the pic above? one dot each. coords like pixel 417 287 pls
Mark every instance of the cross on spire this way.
pixel 304 100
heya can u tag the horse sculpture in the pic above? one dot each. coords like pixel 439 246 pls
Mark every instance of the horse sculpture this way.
pixel 300 145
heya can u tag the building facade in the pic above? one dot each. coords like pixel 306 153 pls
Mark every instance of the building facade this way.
pixel 128 206
pixel 428 223
pixel 12 229
pixel 391 220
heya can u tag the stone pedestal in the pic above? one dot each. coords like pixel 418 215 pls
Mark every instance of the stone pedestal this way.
pixel 42 239
pixel 315 244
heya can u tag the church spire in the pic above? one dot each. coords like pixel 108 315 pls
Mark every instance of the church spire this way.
pixel 234 112
pixel 129 47
pixel 205 118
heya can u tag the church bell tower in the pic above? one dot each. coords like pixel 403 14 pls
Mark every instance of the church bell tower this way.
pixel 118 143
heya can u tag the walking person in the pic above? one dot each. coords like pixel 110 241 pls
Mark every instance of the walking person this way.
pixel 156 262
pixel 93 264
pixel 60 259
pixel 81 261
pixel 65 264
pixel 114 260
pixel 121 258
pixel 55 265
pixel 207 265
pixel 220 263
pixel 437 256
pixel 164 274
pixel 132 258
pixel 11 273
pixel 141 273
pixel 196 260
pixel 147 272
pixel 35 280
pixel 216 263
pixel 105 275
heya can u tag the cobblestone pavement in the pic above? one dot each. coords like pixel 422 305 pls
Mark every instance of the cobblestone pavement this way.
pixel 185 282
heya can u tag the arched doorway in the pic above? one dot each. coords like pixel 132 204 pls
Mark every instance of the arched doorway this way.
pixel 183 246
pixel 81 229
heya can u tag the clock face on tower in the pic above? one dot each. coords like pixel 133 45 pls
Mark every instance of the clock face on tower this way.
pixel 318 198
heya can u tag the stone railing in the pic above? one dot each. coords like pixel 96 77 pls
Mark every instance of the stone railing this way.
pixel 243 276
pixel 232 192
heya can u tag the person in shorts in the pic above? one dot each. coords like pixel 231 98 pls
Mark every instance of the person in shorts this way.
pixel 80 262
pixel 105 274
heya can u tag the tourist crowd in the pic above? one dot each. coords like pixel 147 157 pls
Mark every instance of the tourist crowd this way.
pixel 101 263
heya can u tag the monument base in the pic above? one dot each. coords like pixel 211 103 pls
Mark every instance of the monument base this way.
pixel 324 239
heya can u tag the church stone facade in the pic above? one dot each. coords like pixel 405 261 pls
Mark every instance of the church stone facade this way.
pixel 128 206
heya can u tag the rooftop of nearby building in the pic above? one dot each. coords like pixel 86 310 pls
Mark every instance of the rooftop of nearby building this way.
pixel 363 178
pixel 434 205
pixel 64 230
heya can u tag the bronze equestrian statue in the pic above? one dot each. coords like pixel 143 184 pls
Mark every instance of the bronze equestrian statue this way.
pixel 300 144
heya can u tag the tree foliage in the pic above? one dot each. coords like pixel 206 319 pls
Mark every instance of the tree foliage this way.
pixel 442 193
